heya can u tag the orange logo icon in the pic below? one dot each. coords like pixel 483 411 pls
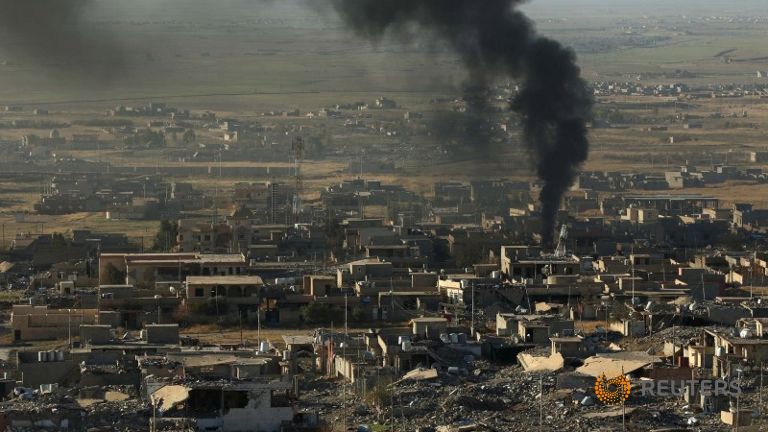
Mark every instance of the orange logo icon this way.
pixel 612 391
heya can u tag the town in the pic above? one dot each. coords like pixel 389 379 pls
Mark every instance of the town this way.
pixel 376 260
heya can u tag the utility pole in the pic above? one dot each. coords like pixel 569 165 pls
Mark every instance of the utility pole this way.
pixel 157 297
pixel 240 323
pixel 633 277
pixel 344 356
pixel 69 328
pixel 623 408
pixel 297 150
pixel 402 412
pixel 674 346
pixel 541 402
pixel 392 407
pixel 154 415
pixel 738 400
pixel 472 327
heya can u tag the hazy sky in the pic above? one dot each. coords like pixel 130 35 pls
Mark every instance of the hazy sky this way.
pixel 646 7
pixel 222 8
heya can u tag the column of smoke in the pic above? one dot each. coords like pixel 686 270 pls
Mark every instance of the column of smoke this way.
pixel 54 34
pixel 495 40
pixel 491 36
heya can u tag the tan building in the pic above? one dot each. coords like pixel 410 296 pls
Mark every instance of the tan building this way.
pixel 233 289
pixel 31 323
pixel 321 286
pixel 145 270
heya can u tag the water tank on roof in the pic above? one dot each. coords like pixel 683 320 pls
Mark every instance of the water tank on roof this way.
pixel 746 333
pixel 462 338
pixel 445 338
pixel 264 347
pixel 401 339
pixel 454 338
pixel 42 356
pixel 495 274
pixel 59 356
pixel 406 345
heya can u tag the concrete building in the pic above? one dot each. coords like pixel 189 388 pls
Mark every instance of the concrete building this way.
pixel 229 407
pixel 244 290
pixel 31 323
pixel 144 270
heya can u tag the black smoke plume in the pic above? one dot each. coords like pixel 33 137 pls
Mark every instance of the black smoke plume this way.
pixel 495 40
pixel 54 34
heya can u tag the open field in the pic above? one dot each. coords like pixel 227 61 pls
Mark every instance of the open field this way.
pixel 137 231
pixel 283 55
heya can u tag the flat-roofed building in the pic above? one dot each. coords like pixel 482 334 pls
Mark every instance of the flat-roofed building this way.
pixel 144 270
pixel 234 289
pixel 31 323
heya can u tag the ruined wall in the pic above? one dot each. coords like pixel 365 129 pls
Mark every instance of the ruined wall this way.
pixel 35 374
pixel 258 415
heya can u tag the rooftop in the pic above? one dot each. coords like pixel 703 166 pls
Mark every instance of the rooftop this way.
pixel 429 320
pixel 298 340
pixel 224 280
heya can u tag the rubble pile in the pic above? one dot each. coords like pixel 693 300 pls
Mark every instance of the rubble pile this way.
pixel 483 396
pixel 65 409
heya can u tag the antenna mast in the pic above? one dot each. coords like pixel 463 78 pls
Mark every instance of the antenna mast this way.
pixel 297 151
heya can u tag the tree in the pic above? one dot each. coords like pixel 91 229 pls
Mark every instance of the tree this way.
pixel 319 313
pixel 189 137
pixel 166 237
pixel 58 240
pixel 146 138
pixel 357 314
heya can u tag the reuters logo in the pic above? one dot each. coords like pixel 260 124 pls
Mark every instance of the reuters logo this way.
pixel 612 391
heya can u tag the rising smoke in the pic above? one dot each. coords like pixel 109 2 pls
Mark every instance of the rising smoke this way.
pixel 54 34
pixel 495 40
